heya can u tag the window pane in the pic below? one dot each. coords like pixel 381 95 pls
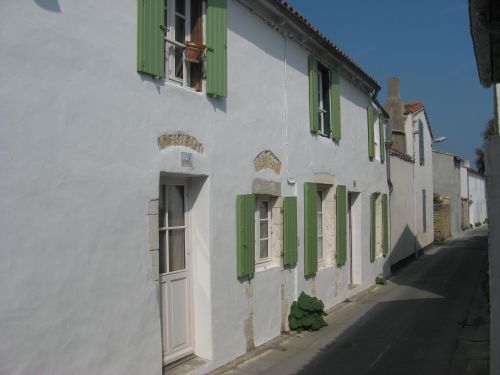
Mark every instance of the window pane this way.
pixel 320 224
pixel 263 209
pixel 179 63
pixel 319 198
pixel 163 258
pixel 176 250
pixel 180 29
pixel 175 205
pixel 180 7
pixel 264 252
pixel 264 229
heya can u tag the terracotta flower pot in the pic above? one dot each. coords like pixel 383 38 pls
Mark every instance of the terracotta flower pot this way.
pixel 194 52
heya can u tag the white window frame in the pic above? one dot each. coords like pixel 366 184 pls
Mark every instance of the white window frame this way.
pixel 321 223
pixel 321 105
pixel 258 239
pixel 171 43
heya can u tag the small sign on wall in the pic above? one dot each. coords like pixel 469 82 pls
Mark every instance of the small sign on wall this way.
pixel 187 159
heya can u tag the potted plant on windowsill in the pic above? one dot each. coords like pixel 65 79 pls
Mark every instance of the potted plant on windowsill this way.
pixel 194 52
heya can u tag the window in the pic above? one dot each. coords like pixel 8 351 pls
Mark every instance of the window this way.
pixel 424 210
pixel 421 142
pixel 323 100
pixel 262 230
pixel 376 136
pixel 379 225
pixel 170 42
pixel 319 214
pixel 184 41
pixel 172 229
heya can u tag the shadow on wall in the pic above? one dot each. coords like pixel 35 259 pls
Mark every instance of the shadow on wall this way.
pixel 396 333
pixel 50 5
pixel 405 247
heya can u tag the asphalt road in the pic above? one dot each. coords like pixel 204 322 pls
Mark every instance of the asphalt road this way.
pixel 410 326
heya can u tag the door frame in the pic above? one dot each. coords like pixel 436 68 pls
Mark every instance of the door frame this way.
pixel 162 279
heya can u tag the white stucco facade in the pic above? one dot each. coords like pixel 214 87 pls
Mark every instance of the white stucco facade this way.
pixel 82 167
pixel 477 198
pixel 412 209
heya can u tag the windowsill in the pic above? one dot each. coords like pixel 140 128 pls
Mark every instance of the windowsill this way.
pixel 324 266
pixel 174 83
pixel 261 267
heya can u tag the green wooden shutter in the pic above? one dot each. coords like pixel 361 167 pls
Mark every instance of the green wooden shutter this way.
pixel 151 37
pixel 421 142
pixel 373 226
pixel 382 137
pixel 310 229
pixel 385 225
pixel 371 137
pixel 341 225
pixel 289 231
pixel 335 105
pixel 245 234
pixel 313 95
pixel 216 55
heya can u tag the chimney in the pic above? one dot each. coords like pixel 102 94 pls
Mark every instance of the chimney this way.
pixel 395 108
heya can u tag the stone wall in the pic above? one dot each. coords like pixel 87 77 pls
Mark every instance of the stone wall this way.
pixel 442 218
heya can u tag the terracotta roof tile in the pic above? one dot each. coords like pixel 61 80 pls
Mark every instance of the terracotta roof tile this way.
pixel 292 11
pixel 414 106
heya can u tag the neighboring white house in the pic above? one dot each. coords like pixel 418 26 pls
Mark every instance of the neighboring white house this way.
pixel 411 174
pixel 180 210
pixel 478 212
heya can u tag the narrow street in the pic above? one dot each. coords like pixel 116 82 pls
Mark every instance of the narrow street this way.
pixel 412 325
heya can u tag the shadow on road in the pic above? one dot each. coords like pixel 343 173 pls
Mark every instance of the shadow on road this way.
pixel 415 327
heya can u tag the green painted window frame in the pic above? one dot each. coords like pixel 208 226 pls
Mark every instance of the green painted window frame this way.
pixel 371 131
pixel 335 106
pixel 245 235
pixel 310 229
pixel 216 51
pixel 290 239
pixel 382 137
pixel 341 225
pixel 373 226
pixel 151 38
pixel 385 225
pixel 313 94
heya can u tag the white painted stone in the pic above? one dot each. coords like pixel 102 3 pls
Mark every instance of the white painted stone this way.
pixel 81 162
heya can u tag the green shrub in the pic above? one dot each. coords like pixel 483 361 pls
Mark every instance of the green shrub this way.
pixel 486 221
pixel 478 224
pixel 306 314
pixel 380 280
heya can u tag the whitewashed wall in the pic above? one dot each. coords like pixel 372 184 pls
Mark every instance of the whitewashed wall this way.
pixel 403 231
pixel 79 155
pixel 464 185
pixel 477 194
pixel 423 180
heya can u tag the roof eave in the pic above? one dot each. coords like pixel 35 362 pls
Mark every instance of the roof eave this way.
pixel 484 30
pixel 290 22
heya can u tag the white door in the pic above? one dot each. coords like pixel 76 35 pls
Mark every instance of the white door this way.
pixel 175 291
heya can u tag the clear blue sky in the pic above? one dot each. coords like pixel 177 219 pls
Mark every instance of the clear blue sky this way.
pixel 427 44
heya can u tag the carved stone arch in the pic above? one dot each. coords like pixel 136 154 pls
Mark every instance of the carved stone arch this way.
pixel 180 139
pixel 267 160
